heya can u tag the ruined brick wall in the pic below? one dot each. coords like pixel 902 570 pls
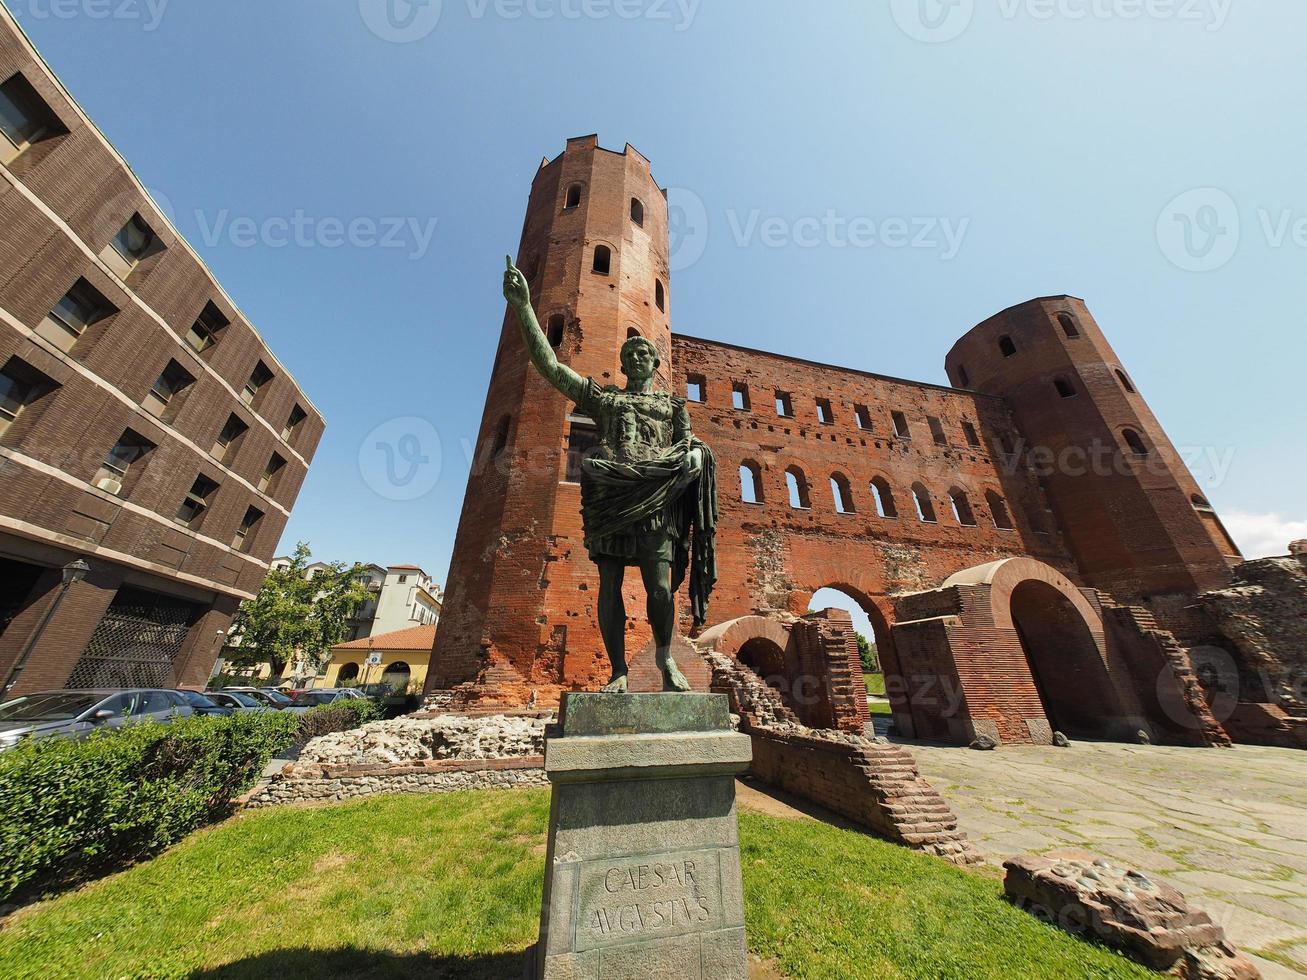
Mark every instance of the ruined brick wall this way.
pixel 62 201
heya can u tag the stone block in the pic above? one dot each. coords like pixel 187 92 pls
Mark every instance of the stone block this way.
pixel 642 874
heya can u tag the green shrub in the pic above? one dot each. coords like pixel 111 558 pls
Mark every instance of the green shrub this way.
pixel 338 716
pixel 69 808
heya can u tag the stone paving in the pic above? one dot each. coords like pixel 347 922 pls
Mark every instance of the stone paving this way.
pixel 1228 827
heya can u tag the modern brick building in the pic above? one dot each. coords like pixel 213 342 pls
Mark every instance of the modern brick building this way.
pixel 145 427
pixel 1027 543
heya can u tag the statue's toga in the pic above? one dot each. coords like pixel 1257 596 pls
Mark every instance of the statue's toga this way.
pixel 648 491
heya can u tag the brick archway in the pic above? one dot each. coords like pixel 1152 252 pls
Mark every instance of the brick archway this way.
pixel 1006 649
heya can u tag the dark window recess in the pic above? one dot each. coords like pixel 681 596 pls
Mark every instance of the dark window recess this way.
pixel 660 295
pixel 740 396
pixel 501 436
pixel 270 473
pixel 582 440
pixel 696 388
pixel 884 497
pixel 1006 346
pixel 25 119
pixel 1068 325
pixel 841 493
pixel 1064 387
pixel 573 198
pixel 825 414
pixel 204 332
pixel 259 379
pixel 21 386
pixel 603 260
pixel 166 395
pixel 293 423
pixel 80 307
pixel 863 415
pixel 225 445
pixel 244 537
pixel 122 461
pixel 784 406
pixel 637 211
pixel 963 380
pixel 797 484
pixel 554 331
pixel 1125 382
pixel 750 482
pixel 962 511
pixel 925 509
pixel 196 502
pixel 1135 442
pixel 937 430
pixel 901 425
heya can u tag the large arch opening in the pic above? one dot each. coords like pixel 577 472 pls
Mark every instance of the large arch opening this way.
pixel 1072 681
pixel 766 658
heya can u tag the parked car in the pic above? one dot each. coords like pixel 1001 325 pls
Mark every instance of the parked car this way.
pixel 282 699
pixel 239 703
pixel 324 695
pixel 76 714
pixel 203 705
pixel 271 699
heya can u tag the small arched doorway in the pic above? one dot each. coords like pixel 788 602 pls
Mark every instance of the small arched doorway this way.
pixel 1072 681
pixel 766 659
pixel 348 674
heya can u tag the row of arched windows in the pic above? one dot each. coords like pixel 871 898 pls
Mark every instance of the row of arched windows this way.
pixel 882 496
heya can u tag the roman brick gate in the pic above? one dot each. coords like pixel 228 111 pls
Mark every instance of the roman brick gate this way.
pixel 1013 650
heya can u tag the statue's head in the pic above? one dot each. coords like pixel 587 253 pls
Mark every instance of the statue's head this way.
pixel 639 359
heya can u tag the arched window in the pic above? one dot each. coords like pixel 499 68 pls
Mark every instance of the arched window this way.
pixel 603 259
pixel 1068 325
pixel 842 493
pixel 884 497
pixel 1064 387
pixel 925 509
pixel 501 435
pixel 1134 441
pixel 797 484
pixel 396 676
pixel 1125 382
pixel 1006 346
pixel 660 297
pixel 348 674
pixel 632 332
pixel 998 510
pixel 555 330
pixel 1200 503
pixel 573 196
pixel 961 507
pixel 750 482
pixel 637 211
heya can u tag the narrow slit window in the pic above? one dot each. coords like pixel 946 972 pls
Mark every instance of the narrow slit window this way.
pixel 660 295
pixel 969 430
pixel 1135 442
pixel 937 430
pixel 554 330
pixel 603 260
pixel 901 425
pixel 637 212
pixel 1125 381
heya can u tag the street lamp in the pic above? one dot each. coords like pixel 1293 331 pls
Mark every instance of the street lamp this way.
pixel 73 572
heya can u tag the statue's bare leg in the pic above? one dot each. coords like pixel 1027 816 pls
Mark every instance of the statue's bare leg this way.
pixel 657 577
pixel 612 621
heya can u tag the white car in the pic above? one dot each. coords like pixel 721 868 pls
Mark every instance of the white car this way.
pixel 238 702
pixel 76 714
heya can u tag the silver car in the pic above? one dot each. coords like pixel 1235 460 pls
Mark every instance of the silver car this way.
pixel 76 714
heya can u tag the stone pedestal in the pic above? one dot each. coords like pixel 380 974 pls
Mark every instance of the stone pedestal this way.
pixel 642 875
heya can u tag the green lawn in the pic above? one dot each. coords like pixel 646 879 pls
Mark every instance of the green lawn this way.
pixel 875 684
pixel 449 886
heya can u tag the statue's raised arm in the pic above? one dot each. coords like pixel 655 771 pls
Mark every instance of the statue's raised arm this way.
pixel 518 294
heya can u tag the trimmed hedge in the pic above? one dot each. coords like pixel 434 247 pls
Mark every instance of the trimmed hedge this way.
pixel 69 808
pixel 338 716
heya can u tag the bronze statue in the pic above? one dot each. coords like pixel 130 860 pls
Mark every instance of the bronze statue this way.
pixel 648 491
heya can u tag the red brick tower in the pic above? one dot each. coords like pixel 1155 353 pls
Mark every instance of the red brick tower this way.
pixel 1130 512
pixel 520 610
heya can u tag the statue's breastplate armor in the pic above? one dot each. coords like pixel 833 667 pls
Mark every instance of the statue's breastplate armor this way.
pixel 637 427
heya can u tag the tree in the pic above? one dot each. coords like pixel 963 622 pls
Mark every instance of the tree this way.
pixel 295 617
pixel 867 654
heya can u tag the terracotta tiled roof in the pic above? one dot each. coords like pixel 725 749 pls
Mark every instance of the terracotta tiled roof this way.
pixel 413 638
pixel 413 568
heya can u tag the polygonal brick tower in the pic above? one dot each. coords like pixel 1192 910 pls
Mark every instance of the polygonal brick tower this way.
pixel 1132 516
pixel 520 611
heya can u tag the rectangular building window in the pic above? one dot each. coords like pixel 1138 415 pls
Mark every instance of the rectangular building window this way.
pixel 825 414
pixel 127 452
pixel 226 444
pixel 270 473
pixel 740 396
pixel 784 406
pixel 167 393
pixel 204 331
pixel 582 439
pixel 696 388
pixel 244 538
pixel 24 118
pixel 259 379
pixel 17 390
pixel 863 415
pixel 937 430
pixel 135 243
pixel 969 430
pixel 293 422
pixel 901 425
pixel 80 307
pixel 196 502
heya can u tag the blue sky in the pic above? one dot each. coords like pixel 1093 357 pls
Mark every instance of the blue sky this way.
pixel 1032 147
